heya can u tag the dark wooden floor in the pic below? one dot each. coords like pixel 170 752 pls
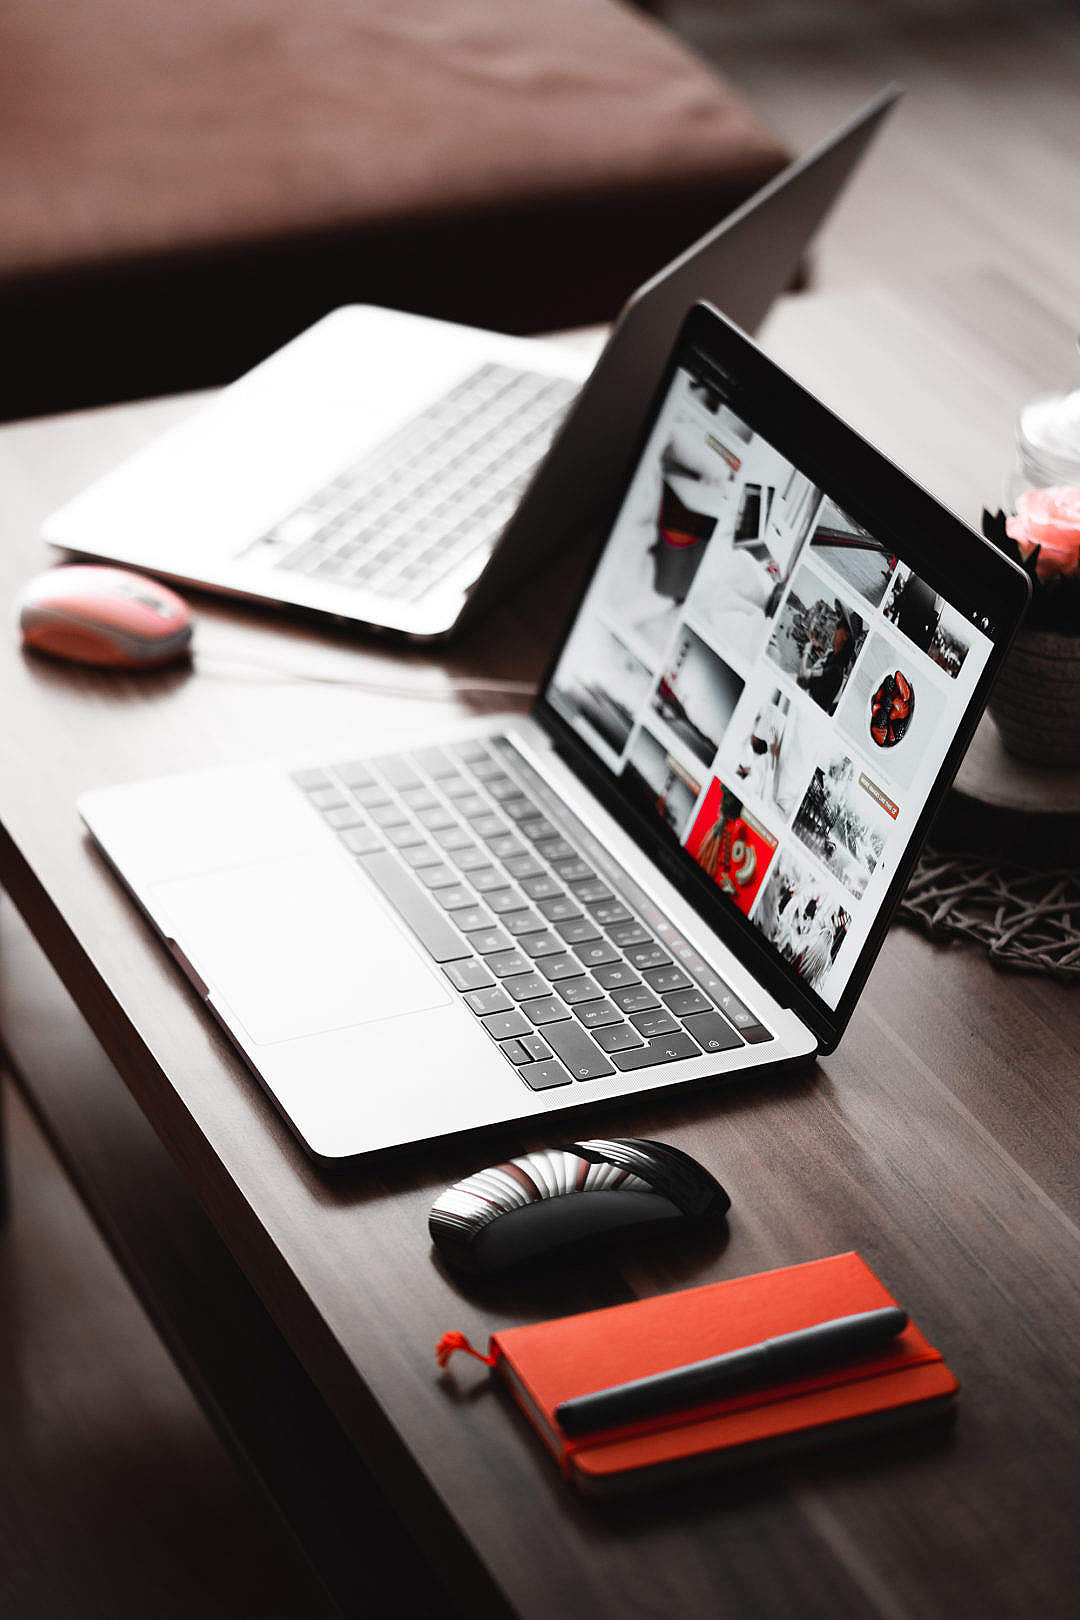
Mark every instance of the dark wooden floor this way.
pixel 116 1498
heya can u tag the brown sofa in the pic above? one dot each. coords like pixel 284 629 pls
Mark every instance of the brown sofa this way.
pixel 189 182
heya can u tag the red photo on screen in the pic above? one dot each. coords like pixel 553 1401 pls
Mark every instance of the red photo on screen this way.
pixel 731 845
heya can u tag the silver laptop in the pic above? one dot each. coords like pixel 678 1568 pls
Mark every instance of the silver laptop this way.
pixel 369 470
pixel 678 868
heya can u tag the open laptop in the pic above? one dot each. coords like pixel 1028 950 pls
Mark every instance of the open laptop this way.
pixel 679 867
pixel 369 469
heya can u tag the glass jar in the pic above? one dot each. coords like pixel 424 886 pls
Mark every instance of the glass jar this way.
pixel 1047 446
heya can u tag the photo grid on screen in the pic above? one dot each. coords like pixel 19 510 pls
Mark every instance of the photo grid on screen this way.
pixel 767 679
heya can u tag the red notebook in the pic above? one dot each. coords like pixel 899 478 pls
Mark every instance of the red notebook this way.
pixel 551 1361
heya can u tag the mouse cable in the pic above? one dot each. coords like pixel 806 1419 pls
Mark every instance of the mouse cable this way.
pixel 239 668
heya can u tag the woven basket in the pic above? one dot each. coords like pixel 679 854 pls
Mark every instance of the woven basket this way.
pixel 1036 698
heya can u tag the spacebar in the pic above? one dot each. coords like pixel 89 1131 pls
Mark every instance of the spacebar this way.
pixel 438 936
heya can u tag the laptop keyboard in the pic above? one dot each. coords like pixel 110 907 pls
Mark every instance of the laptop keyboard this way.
pixel 433 497
pixel 570 967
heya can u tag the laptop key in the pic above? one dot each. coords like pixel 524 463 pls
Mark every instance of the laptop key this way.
pixel 470 858
pixel 542 888
pixel 647 956
pixel 490 1000
pixel 526 987
pixel 420 798
pixel 664 979
pixel 595 952
pixel 593 893
pixel 560 908
pixel 488 826
pixel 437 877
pixel 578 1052
pixel 607 912
pixel 521 922
pixel 536 1046
pixel 537 828
pixel 355 773
pixel 507 962
pixel 560 967
pixel 406 837
pixel 682 1002
pixel 327 798
pixel 542 1076
pixel 518 866
pixel 577 930
pixel 420 855
pixel 557 849
pixel 501 900
pixel 651 1024
pixel 388 815
pixel 541 944
pixel 628 933
pixel 668 1049
pixel 638 998
pixel 455 897
pixel 515 1051
pixel 369 797
pixel 435 820
pixel 712 1033
pixel 575 871
pixel 311 781
pixel 347 816
pixel 578 989
pixel 361 840
pixel 472 919
pixel 615 1037
pixel 432 927
pixel 546 1012
pixel 488 941
pixel 469 975
pixel 486 878
pixel 485 768
pixel 594 1013
pixel 453 838
pixel 616 975
pixel 755 1033
pixel 505 1026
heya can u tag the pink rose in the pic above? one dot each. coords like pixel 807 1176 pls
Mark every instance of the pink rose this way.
pixel 1050 520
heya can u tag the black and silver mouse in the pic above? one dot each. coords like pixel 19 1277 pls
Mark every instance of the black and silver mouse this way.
pixel 558 1197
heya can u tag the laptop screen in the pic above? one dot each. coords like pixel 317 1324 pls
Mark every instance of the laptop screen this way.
pixel 768 679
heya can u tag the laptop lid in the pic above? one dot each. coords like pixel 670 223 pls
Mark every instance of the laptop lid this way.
pixel 740 266
pixel 776 724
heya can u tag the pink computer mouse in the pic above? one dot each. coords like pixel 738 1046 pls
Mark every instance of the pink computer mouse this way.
pixel 104 616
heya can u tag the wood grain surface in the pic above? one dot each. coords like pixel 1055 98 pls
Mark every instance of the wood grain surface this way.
pixel 941 1140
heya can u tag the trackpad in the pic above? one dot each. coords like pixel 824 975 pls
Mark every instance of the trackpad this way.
pixel 296 947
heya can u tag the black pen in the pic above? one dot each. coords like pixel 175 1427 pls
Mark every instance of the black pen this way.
pixel 770 1361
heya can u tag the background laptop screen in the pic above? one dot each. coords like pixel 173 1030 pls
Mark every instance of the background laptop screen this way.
pixel 768 679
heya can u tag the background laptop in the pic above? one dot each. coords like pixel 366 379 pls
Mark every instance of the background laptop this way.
pixel 679 867
pixel 369 469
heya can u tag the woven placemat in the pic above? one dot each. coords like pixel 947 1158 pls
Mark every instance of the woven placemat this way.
pixel 1028 921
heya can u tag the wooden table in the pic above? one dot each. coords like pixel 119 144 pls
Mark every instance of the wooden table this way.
pixel 941 1140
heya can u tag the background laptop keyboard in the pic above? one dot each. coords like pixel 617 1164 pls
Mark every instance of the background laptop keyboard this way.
pixel 434 496
pixel 572 970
